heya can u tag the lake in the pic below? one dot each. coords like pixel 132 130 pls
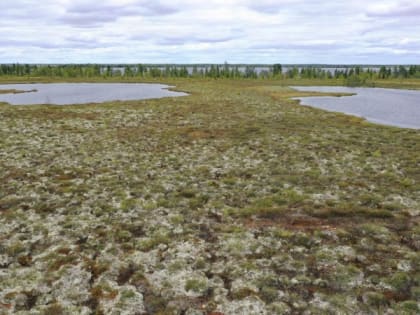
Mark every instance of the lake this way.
pixel 80 93
pixel 393 107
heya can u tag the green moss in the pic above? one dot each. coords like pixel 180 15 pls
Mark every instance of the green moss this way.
pixel 54 309
pixel 242 293
pixel 346 277
pixel 176 265
pixel 127 294
pixel 280 308
pixel 268 294
pixel 282 233
pixel 155 240
pixel 400 281
pixel 187 193
pixel 122 236
pixel 177 219
pixel 15 248
pixel 375 299
pixel 128 204
pixel 196 285
pixel 415 293
pixel 408 308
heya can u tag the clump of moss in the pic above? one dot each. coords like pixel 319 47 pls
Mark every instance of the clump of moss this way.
pixel 196 285
pixel 268 294
pixel 54 309
pixel 103 291
pixel 25 260
pixel 156 239
pixel 57 262
pixel 15 248
pixel 125 273
pixel 96 268
pixel 375 299
pixel 401 282
pixel 408 307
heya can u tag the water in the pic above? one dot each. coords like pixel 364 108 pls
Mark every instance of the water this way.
pixel 393 107
pixel 81 93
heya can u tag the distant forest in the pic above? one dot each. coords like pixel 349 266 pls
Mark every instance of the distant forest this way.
pixel 354 75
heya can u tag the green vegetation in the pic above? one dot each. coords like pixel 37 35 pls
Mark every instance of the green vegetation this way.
pixel 343 75
pixel 232 199
pixel 14 91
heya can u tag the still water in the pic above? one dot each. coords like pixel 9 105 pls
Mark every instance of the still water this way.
pixel 80 93
pixel 393 107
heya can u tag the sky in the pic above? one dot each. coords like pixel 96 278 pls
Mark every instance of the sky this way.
pixel 210 31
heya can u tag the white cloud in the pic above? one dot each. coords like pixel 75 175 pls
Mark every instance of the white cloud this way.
pixel 246 31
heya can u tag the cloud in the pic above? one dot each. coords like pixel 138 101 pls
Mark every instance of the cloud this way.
pixel 272 6
pixel 193 39
pixel 93 14
pixel 243 31
pixel 395 9
pixel 307 46
pixel 64 44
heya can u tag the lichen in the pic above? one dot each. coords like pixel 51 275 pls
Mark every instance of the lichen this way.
pixel 231 200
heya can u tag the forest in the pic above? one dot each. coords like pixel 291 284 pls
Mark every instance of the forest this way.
pixel 352 75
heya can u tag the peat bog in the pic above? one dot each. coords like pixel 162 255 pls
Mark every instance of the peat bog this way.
pixel 230 200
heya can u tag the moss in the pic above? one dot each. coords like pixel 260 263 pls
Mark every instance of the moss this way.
pixel 198 201
pixel 15 248
pixel 268 294
pixel 156 305
pixel 103 291
pixel 25 260
pixel 234 181
pixel 262 212
pixel 375 299
pixel 122 236
pixel 408 308
pixel 242 293
pixel 127 294
pixel 196 285
pixel 280 308
pixel 200 263
pixel 54 309
pixel 282 233
pixel 151 243
pixel 176 265
pixel 125 273
pixel 177 219
pixel 187 193
pixel 346 277
pixel 96 267
pixel 415 293
pixel 400 281
pixel 58 261
pixel 128 204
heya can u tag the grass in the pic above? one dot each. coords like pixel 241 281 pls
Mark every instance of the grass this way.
pixel 202 187
pixel 14 91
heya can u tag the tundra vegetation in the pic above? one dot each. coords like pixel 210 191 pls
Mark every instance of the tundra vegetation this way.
pixel 232 200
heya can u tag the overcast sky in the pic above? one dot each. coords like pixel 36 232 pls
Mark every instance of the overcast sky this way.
pixel 210 31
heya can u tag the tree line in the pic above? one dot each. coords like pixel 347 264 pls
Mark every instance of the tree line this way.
pixel 352 75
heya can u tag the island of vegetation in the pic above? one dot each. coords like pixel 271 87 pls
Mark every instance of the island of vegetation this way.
pixel 232 200
pixel 14 91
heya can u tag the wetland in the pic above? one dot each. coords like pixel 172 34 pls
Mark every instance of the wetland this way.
pixel 232 200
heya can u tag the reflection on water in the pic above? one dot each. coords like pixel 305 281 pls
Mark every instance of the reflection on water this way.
pixel 80 93
pixel 393 107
